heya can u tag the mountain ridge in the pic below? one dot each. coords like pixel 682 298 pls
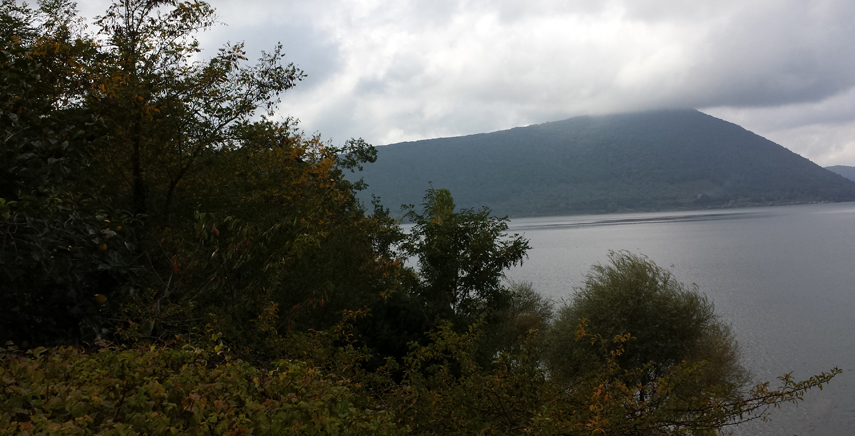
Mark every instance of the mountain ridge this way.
pixel 645 161
pixel 843 170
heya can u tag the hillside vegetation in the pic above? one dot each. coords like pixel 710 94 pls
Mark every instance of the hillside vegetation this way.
pixel 843 170
pixel 641 161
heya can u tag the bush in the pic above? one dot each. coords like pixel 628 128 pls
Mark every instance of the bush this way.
pixel 511 324
pixel 187 391
pixel 670 324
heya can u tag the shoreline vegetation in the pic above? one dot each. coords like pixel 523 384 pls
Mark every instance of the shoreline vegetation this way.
pixel 174 259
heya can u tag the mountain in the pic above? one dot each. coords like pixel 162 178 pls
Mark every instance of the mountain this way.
pixel 848 172
pixel 663 160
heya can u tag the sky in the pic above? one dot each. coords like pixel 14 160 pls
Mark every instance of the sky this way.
pixel 392 71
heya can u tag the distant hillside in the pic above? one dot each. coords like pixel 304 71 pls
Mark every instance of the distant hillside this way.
pixel 643 161
pixel 848 172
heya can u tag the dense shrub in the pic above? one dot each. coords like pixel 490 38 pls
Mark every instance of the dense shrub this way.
pixel 186 391
pixel 670 324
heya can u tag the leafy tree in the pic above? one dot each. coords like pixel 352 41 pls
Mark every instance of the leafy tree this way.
pixel 250 216
pixel 166 112
pixel 462 256
pixel 285 246
pixel 46 132
pixel 67 255
pixel 509 325
pixel 179 137
pixel 670 324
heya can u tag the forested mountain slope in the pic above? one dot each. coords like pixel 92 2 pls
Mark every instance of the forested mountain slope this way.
pixel 843 170
pixel 641 161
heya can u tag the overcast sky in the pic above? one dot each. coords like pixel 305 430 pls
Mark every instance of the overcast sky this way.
pixel 391 71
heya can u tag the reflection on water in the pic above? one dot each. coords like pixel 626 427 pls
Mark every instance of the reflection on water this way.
pixel 623 219
pixel 782 276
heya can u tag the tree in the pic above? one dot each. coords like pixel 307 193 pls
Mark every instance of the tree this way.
pixel 445 390
pixel 67 256
pixel 670 324
pixel 279 235
pixel 506 328
pixel 462 256
pixel 136 123
pixel 166 112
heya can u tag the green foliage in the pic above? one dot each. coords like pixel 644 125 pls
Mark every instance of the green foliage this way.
pixel 66 269
pixel 186 391
pixel 45 142
pixel 446 391
pixel 462 256
pixel 67 255
pixel 507 326
pixel 355 153
pixel 166 113
pixel 256 284
pixel 154 131
pixel 320 388
pixel 671 324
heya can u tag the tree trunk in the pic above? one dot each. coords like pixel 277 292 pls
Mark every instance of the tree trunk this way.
pixel 139 188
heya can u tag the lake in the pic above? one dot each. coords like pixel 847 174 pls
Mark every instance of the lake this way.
pixel 784 277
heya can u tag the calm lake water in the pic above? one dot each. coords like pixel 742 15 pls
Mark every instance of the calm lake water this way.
pixel 784 277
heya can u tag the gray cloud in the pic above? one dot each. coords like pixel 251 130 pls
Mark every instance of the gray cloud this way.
pixel 411 69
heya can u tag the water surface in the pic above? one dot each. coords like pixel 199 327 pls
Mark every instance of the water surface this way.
pixel 784 277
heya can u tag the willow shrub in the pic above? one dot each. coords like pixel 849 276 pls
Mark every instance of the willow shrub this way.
pixel 185 391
